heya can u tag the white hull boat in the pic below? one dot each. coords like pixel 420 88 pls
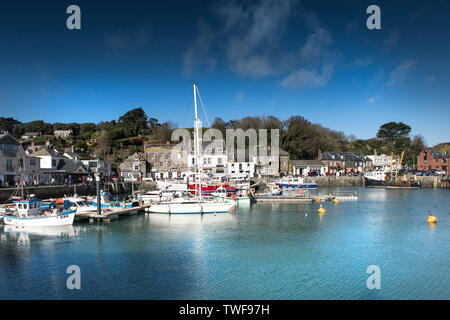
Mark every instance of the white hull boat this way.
pixel 42 231
pixel 32 213
pixel 51 220
pixel 191 208
pixel 155 196
pixel 197 206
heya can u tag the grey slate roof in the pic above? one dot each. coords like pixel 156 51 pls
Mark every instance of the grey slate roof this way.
pixel 8 139
pixel 344 156
pixel 308 163
pixel 70 165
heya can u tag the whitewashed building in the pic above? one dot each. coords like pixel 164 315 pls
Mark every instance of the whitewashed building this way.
pixel 62 133
pixel 14 162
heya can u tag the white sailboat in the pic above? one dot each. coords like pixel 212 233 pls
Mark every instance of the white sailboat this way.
pixel 198 206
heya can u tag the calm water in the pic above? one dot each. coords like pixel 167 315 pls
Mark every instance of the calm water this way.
pixel 263 251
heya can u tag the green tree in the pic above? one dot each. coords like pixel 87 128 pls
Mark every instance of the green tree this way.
pixel 8 124
pixel 134 122
pixel 392 130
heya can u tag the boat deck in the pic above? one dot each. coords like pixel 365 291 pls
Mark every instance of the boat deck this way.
pixel 292 198
pixel 112 215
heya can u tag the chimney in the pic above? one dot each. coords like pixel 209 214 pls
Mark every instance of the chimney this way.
pixel 319 154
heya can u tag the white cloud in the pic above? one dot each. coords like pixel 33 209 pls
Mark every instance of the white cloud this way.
pixel 309 78
pixel 363 61
pixel 251 39
pixel 430 78
pixel 198 54
pixel 240 97
pixel 400 72
pixel 372 100
pixel 121 42
pixel 253 33
pixel 392 39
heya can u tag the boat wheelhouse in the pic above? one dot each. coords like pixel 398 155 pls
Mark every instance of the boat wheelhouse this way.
pixel 33 213
pixel 294 183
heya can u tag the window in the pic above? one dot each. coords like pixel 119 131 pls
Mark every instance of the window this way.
pixel 53 162
pixel 32 162
pixel 136 167
pixel 219 160
pixel 9 165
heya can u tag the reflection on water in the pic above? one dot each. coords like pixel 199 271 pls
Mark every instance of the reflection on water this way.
pixel 262 251
pixel 43 231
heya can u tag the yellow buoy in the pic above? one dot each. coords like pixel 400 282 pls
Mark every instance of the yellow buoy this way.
pixel 321 210
pixel 335 200
pixel 431 218
pixel 317 199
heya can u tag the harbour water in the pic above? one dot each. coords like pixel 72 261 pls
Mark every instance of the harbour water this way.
pixel 259 251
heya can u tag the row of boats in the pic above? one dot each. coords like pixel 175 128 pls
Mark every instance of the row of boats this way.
pixel 170 197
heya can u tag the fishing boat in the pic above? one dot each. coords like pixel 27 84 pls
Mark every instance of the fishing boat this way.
pixel 222 194
pixel 272 190
pixel 30 213
pixel 210 190
pixel 198 205
pixel 389 180
pixel 108 203
pixel 294 183
pixel 24 210
pixel 81 205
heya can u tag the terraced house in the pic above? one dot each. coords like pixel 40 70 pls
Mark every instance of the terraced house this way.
pixel 344 161
pixel 14 162
pixel 436 158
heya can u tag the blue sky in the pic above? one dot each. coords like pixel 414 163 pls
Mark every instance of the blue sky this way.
pixel 316 59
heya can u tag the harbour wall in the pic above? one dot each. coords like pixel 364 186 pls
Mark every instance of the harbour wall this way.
pixel 47 192
pixel 358 181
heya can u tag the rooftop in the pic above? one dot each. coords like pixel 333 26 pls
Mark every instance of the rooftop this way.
pixel 6 138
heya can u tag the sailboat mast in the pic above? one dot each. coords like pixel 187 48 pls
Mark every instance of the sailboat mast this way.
pixel 197 143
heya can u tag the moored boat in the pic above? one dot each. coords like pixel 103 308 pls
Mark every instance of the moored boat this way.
pixel 30 213
pixel 198 205
pixel 294 183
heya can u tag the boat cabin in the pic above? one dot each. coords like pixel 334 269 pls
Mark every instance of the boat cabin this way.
pixel 290 180
pixel 26 208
